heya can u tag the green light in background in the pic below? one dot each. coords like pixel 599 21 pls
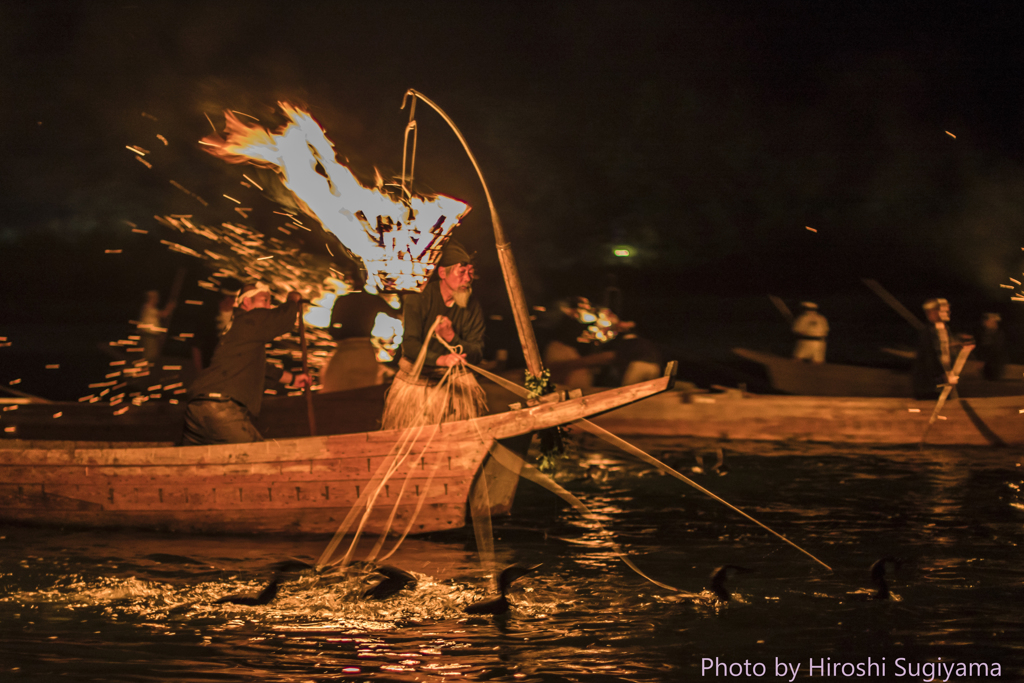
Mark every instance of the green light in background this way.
pixel 621 252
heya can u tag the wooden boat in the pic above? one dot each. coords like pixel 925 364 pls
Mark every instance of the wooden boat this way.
pixel 297 485
pixel 992 421
pixel 832 379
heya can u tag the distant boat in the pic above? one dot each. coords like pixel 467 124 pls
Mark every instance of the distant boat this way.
pixel 737 415
pixel 288 485
pixel 801 378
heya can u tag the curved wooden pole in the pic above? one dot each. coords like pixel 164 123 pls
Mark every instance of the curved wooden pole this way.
pixel 305 369
pixel 505 257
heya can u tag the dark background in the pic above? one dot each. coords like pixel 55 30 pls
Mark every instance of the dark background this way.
pixel 703 136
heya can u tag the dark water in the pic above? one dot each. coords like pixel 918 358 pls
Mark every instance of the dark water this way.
pixel 103 606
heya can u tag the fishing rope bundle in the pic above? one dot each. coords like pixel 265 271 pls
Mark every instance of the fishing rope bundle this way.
pixel 414 400
pixel 419 407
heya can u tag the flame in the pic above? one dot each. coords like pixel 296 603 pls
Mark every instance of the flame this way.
pixel 319 312
pixel 386 336
pixel 602 323
pixel 399 242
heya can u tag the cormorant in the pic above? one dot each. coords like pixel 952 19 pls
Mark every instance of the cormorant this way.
pixel 394 580
pixel 262 598
pixel 719 468
pixel 718 578
pixel 500 604
pixel 878 576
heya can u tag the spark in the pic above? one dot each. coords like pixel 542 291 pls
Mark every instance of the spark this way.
pixel 1006 286
pixel 243 114
pixel 193 302
pixel 172 367
pixel 264 258
pixel 15 381
pixel 53 366
pixel 189 192
pixel 1014 281
pixel 211 122
pixel 144 162
pixel 253 182
pixel 112 251
pixel 913 410
pixel 810 228
pixel 233 199
pixel 149 116
pixel 950 135
pixel 58 414
pixel 138 150
pixel 162 139
pixel 121 411
pixel 140 231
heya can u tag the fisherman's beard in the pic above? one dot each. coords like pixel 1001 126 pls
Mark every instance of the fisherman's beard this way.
pixel 461 296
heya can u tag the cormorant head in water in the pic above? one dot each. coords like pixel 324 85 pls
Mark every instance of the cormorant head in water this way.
pixel 262 598
pixel 718 578
pixel 719 468
pixel 878 570
pixel 394 580
pixel 500 604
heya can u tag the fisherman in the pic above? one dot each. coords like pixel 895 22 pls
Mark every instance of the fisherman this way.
pixel 569 354
pixel 152 324
pixel 426 399
pixel 226 397
pixel 637 359
pixel 991 347
pixel 810 329
pixel 937 349
pixel 354 361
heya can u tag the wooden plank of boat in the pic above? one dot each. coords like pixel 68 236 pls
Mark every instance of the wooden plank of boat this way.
pixel 879 420
pixel 301 485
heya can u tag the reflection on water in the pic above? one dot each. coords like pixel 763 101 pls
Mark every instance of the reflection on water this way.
pixel 141 607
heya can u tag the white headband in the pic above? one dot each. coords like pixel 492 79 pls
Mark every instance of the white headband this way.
pixel 245 294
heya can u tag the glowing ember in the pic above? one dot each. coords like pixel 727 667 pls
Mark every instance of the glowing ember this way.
pixel 399 242
pixel 602 323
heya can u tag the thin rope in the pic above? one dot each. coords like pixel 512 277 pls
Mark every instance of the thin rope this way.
pixel 646 457
pixel 509 459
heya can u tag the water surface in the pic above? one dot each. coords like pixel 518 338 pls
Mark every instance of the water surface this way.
pixel 119 606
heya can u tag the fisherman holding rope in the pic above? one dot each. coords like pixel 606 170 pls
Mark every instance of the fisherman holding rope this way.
pixel 226 396
pixel 444 326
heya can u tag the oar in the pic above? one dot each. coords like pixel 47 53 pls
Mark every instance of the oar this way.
pixel 649 459
pixel 305 369
pixel 894 303
pixel 961 359
pixel 783 308
pixel 22 394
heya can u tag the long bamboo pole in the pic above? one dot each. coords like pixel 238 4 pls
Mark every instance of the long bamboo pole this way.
pixel 508 262
pixel 305 369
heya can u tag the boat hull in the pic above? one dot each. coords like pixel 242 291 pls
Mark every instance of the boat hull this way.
pixel 414 481
pixel 801 378
pixel 994 421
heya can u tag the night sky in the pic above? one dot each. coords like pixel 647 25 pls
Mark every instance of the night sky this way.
pixel 704 136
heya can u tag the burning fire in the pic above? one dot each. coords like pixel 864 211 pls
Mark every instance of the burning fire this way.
pixel 386 336
pixel 319 312
pixel 398 241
